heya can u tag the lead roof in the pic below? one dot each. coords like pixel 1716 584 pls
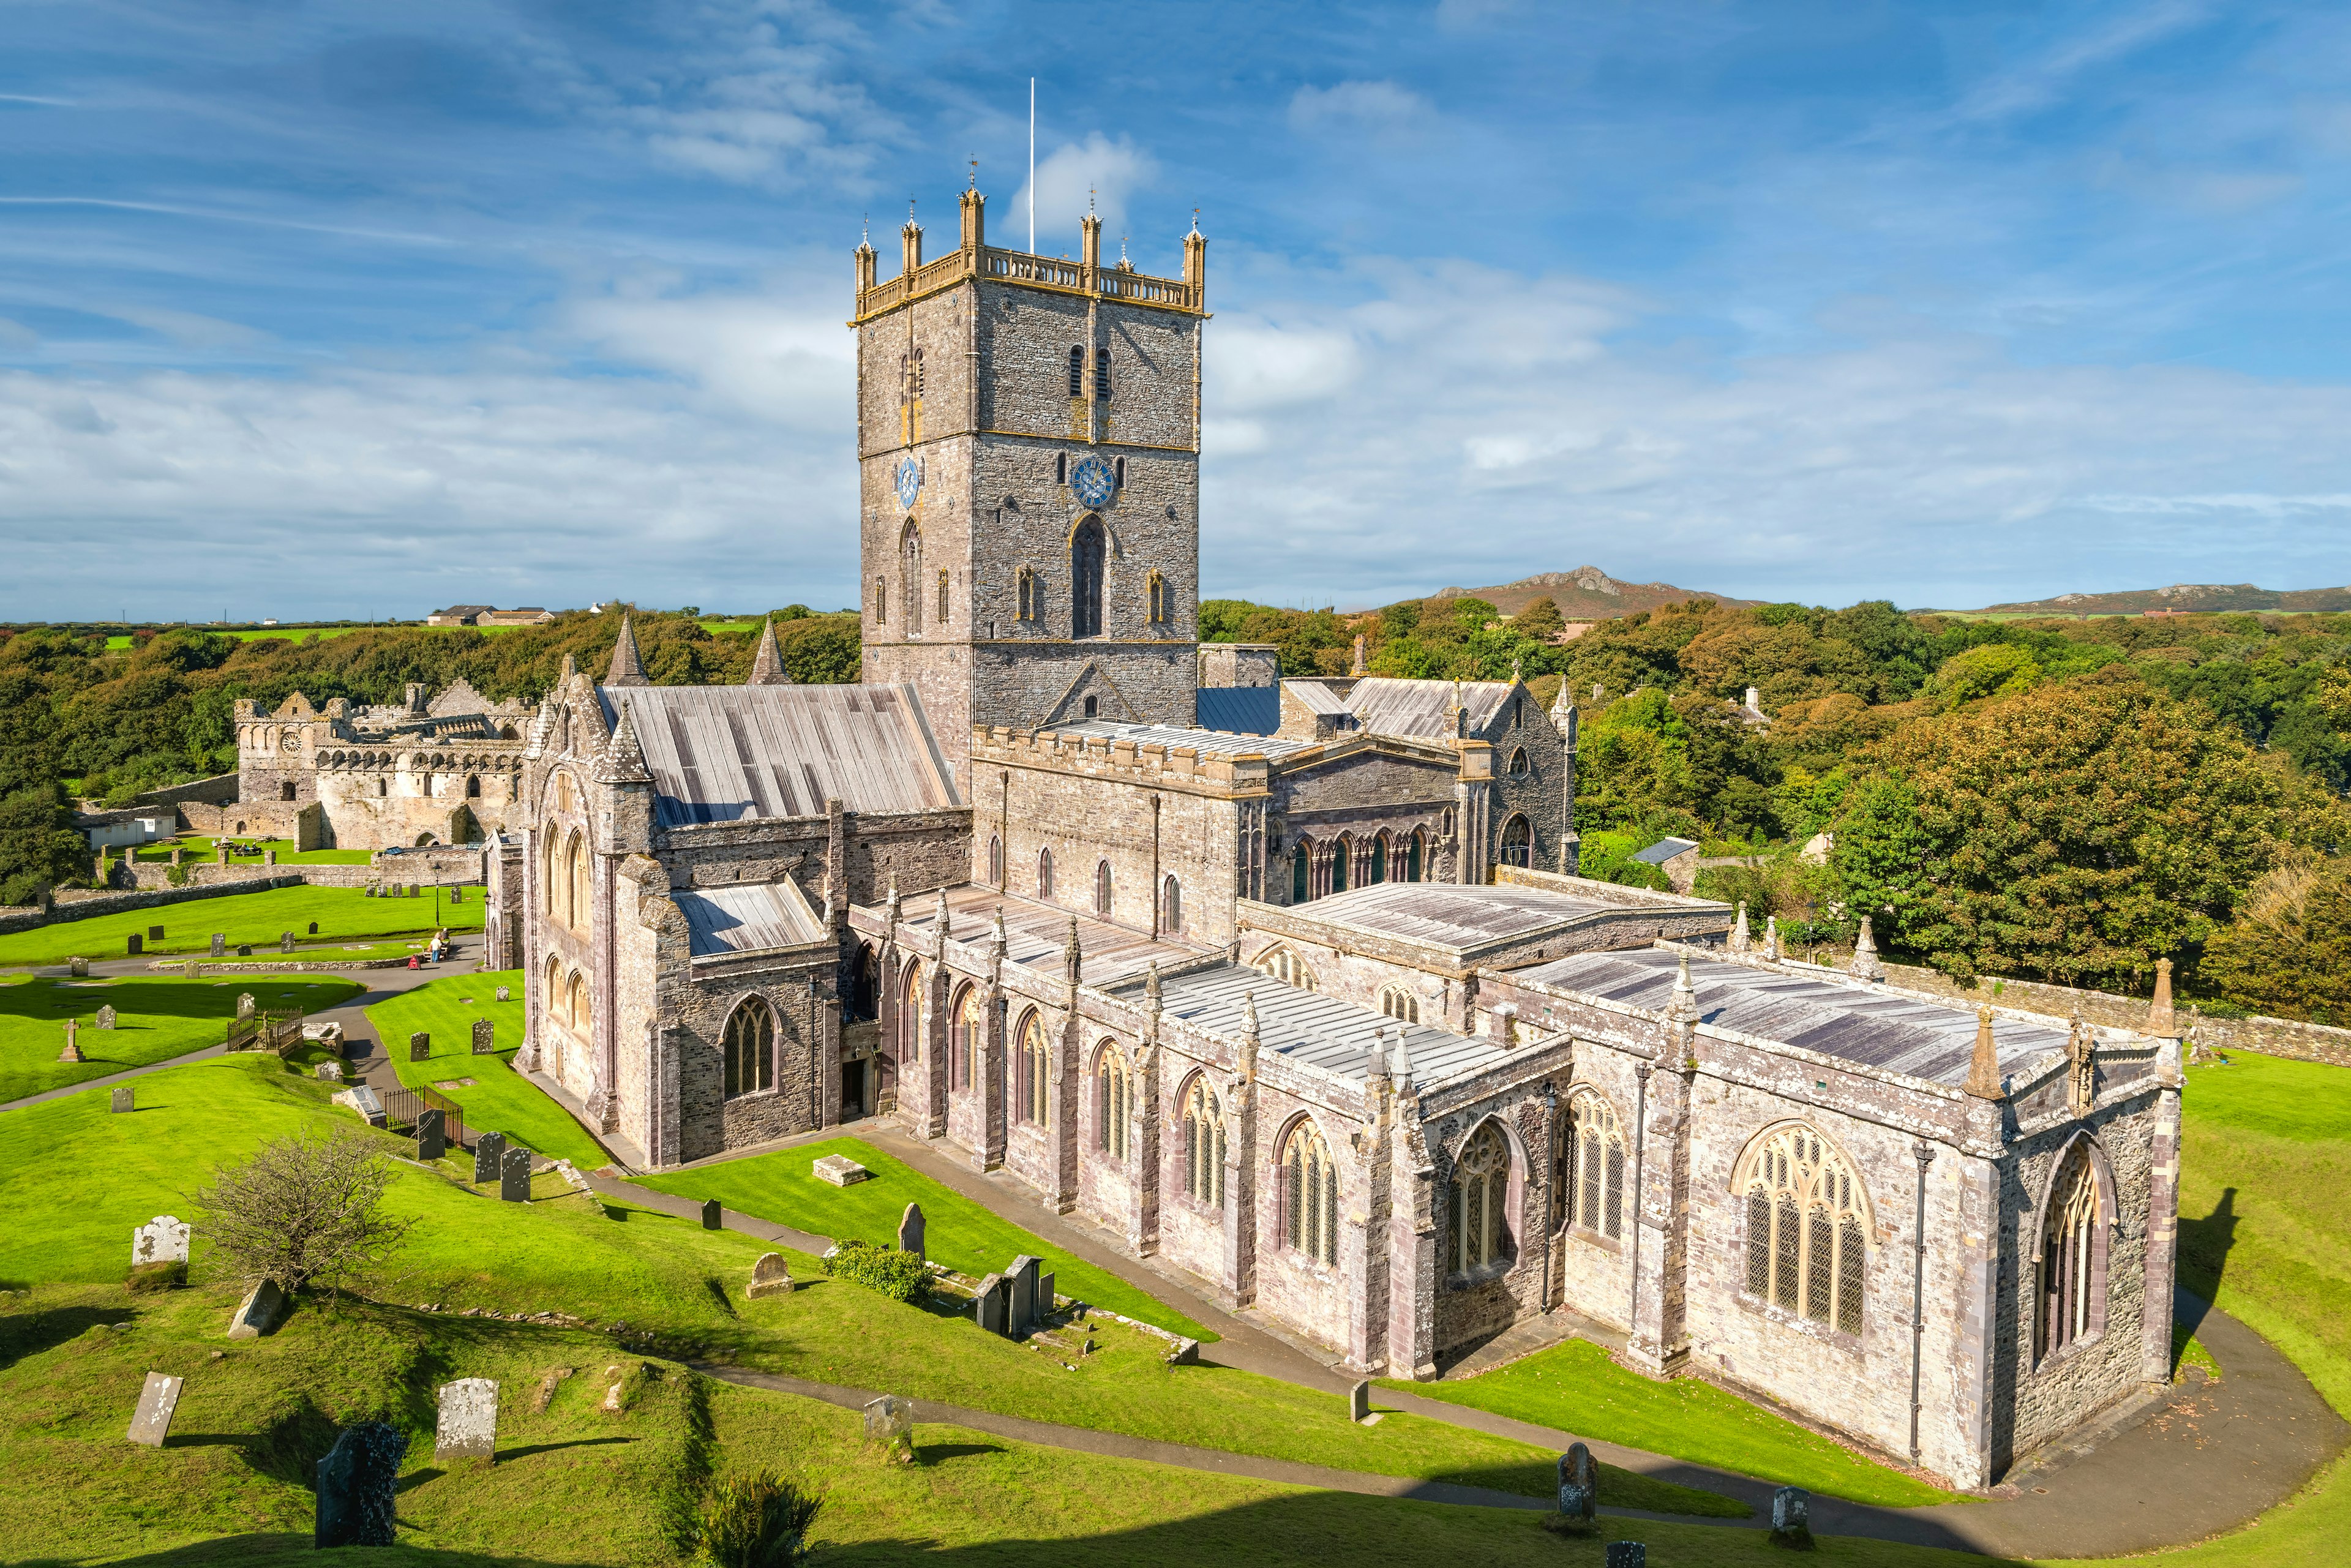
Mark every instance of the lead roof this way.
pixel 1442 915
pixel 748 917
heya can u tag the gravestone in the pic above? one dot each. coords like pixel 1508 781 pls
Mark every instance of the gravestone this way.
pixel 504 994
pixel 910 1231
pixel 138 944
pixel 363 1102
pixel 420 1046
pixel 1627 1555
pixel 331 1072
pixel 514 1176
pixel 368 892
pixel 890 1421
pixel 125 1099
pixel 1792 1518
pixel 1044 1296
pixel 485 1042
pixel 245 1004
pixel 991 1305
pixel 151 1423
pixel 468 1428
pixel 1024 1294
pixel 770 1276
pixel 355 1486
pixel 245 949
pixel 177 855
pixel 431 1137
pixel 163 1240
pixel 456 895
pixel 1359 1402
pixel 712 1215
pixel 838 1170
pixel 414 891
pixel 258 1313
pixel 72 1052
pixel 314 929
pixel 155 934
pixel 488 1150
pixel 286 941
pixel 106 1015
pixel 269 857
pixel 191 970
pixel 220 943
pixel 1579 1484
pixel 79 968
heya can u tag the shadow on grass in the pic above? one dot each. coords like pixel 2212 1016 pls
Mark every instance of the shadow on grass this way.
pixel 2204 1245
pixel 940 1453
pixel 271 1547
pixel 30 1334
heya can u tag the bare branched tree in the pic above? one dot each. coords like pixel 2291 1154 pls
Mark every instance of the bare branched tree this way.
pixel 303 1210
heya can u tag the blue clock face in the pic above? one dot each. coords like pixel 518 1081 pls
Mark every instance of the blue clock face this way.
pixel 910 482
pixel 1093 482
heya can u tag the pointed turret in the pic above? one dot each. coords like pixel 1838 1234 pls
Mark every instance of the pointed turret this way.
pixel 1073 955
pixel 889 903
pixel 1151 998
pixel 1248 1034
pixel 1400 1067
pixel 945 920
pixel 624 762
pixel 627 668
pixel 570 668
pixel 1864 964
pixel 2162 1022
pixel 1683 1008
pixel 1983 1072
pixel 1771 938
pixel 768 663
pixel 1358 667
pixel 1740 941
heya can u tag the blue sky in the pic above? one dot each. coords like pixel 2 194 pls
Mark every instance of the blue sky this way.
pixel 354 310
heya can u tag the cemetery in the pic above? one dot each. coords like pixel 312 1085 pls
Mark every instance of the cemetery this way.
pixel 126 1021
pixel 241 919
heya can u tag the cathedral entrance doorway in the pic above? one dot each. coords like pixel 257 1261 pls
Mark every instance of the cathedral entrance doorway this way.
pixel 854 1077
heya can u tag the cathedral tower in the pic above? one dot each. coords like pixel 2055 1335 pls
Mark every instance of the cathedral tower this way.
pixel 1029 453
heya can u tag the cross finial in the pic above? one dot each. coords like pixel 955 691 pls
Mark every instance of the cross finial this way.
pixel 1195 220
pixel 974 171
pixel 910 209
pixel 1122 250
pixel 1090 201
pixel 865 229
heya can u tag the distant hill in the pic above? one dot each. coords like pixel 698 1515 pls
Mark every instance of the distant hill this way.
pixel 1586 593
pixel 2211 596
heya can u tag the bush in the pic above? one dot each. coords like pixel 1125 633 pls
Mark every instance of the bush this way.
pixel 303 1210
pixel 900 1276
pixel 757 1521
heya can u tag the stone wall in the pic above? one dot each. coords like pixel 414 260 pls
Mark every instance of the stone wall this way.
pixel 300 821
pixel 2266 1036
pixel 219 789
pixel 81 904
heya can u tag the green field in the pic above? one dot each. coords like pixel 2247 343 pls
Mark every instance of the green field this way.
pixel 200 848
pixel 958 1232
pixel 500 1099
pixel 154 1021
pixel 321 952
pixel 252 918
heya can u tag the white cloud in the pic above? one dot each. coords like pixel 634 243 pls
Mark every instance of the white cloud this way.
pixel 1110 172
pixel 1359 108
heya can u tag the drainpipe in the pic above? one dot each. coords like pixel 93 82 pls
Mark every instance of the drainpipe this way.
pixel 1641 1071
pixel 1925 1155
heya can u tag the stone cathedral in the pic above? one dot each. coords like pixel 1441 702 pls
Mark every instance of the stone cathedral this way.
pixel 1292 984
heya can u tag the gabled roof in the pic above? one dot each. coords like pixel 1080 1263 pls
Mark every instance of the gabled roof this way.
pixel 1208 742
pixel 1444 914
pixel 748 917
pixel 1243 710
pixel 728 753
pixel 1665 850
pixel 1035 934
pixel 1419 709
pixel 1316 697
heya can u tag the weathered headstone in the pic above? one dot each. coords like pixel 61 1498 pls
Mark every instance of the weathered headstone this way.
pixel 176 853
pixel 1627 1555
pixel 155 934
pixel 363 1102
pixel 506 994
pixel 890 1421
pixel 331 1072
pixel 488 1150
pixel 1044 1296
pixel 314 929
pixel 269 857
pixel 991 1305
pixel 72 1052
pixel 245 1004
pixel 910 1230
pixel 245 949
pixel 286 941
pixel 468 1428
pixel 1359 1402
pixel 163 1240
pixel 456 895
pixel 106 1015
pixel 432 1135
pixel 770 1276
pixel 420 1046
pixel 1579 1484
pixel 258 1313
pixel 368 892
pixel 190 969
pixel 838 1170
pixel 1023 1274
pixel 1792 1518
pixel 79 968
pixel 151 1423
pixel 485 1040
pixel 414 891
pixel 713 1216
pixel 355 1486
pixel 137 945
pixel 220 943
pixel 125 1099
pixel 514 1176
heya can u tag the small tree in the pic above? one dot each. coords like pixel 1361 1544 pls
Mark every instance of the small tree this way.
pixel 757 1521
pixel 303 1210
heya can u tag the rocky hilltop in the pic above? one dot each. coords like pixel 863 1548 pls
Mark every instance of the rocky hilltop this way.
pixel 1586 593
pixel 2183 596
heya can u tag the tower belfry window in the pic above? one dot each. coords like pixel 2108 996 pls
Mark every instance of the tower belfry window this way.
pixel 918 372
pixel 1061 462
pixel 1077 372
pixel 1118 473
pixel 1087 551
pixel 1101 374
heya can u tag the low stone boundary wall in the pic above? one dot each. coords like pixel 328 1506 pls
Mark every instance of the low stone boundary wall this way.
pixel 207 880
pixel 291 966
pixel 218 789
pixel 2266 1036
pixel 77 904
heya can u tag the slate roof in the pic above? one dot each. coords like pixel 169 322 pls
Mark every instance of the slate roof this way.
pixel 1386 705
pixel 1316 697
pixel 1035 934
pixel 1323 1032
pixel 1210 742
pixel 1244 710
pixel 1913 1035
pixel 730 754
pixel 1664 849
pixel 748 917
pixel 1442 915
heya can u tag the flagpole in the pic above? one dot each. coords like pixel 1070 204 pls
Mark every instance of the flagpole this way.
pixel 1032 165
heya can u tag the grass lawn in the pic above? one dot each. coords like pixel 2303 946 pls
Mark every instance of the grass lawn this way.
pixel 200 848
pixel 154 1020
pixel 322 953
pixel 501 1100
pixel 1575 1387
pixel 256 918
pixel 958 1232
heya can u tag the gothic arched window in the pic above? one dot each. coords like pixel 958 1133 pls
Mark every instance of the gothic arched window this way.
pixel 864 988
pixel 910 1014
pixel 1517 841
pixel 2073 1256
pixel 1415 854
pixel 1806 1238
pixel 1519 763
pixel 1595 1165
pixel 1395 1002
pixel 1379 871
pixel 1204 1144
pixel 910 553
pixel 1032 607
pixel 1156 586
pixel 1088 551
pixel 581 903
pixel 1301 866
pixel 1101 887
pixel 1171 903
pixel 1341 853
pixel 473 788
pixel 1101 372
pixel 1110 1102
pixel 1286 966
pixel 1481 1179
pixel 1044 873
pixel 583 1017
pixel 946 597
pixel 750 1048
pixel 881 601
pixel 1036 1070
pixel 1077 374
pixel 1310 1189
pixel 996 860
pixel 962 1036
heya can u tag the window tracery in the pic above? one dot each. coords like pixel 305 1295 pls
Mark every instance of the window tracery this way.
pixel 1204 1144
pixel 1481 1175
pixel 1806 1244
pixel 1112 1092
pixel 1311 1187
pixel 1286 966
pixel 750 1048
pixel 2073 1256
pixel 1595 1165
pixel 1036 1070
pixel 1395 1002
